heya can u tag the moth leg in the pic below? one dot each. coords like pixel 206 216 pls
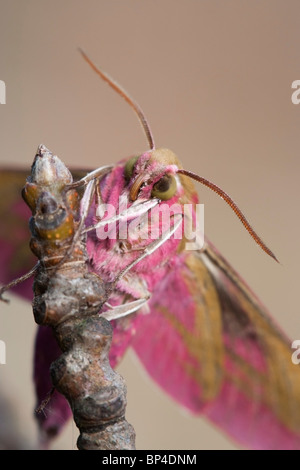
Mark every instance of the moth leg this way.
pixel 87 201
pixel 153 246
pixel 99 201
pixel 125 309
pixel 17 281
pixel 109 305
pixel 135 210
pixel 93 175
pixel 91 180
pixel 45 402
pixel 86 204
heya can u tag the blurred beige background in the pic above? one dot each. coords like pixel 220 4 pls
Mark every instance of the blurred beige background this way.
pixel 214 79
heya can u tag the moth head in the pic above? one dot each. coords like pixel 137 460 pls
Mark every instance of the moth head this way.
pixel 153 173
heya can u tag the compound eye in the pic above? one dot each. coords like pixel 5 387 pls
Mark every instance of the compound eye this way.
pixel 129 167
pixel 165 188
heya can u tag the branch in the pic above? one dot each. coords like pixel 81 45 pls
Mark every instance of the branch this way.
pixel 68 298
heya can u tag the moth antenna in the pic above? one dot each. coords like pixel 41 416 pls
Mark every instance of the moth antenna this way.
pixel 115 86
pixel 46 400
pixel 233 206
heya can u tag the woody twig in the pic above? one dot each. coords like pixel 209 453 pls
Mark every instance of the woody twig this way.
pixel 67 298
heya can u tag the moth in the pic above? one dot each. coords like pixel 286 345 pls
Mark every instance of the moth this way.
pixel 206 339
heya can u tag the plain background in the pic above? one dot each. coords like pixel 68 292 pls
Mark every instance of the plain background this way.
pixel 214 79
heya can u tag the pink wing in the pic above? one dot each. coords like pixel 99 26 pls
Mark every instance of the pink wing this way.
pixel 211 345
